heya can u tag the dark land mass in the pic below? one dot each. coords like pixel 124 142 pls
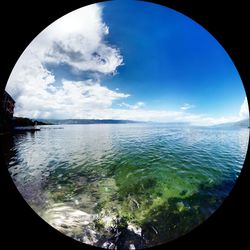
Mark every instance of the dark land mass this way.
pixel 84 121
pixel 23 122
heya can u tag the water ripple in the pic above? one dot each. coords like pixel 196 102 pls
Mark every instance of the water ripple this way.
pixel 132 170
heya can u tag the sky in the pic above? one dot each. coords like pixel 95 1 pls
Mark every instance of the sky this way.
pixel 127 60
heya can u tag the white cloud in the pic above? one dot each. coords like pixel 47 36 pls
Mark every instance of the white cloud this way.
pixel 244 111
pixel 187 106
pixel 161 116
pixel 138 105
pixel 29 77
pixel 78 40
pixel 72 100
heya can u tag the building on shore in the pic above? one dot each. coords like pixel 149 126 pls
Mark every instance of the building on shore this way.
pixel 6 112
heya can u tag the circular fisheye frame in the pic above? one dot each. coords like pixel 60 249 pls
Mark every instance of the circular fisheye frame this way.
pixel 127 125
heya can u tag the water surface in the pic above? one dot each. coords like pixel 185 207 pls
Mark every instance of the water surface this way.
pixel 129 185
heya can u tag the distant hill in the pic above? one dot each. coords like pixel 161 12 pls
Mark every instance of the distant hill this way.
pixel 24 121
pixel 242 124
pixel 85 121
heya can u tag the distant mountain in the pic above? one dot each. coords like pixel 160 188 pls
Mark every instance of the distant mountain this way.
pixel 242 124
pixel 86 121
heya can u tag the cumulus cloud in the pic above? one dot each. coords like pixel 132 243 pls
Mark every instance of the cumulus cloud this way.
pixel 77 40
pixel 244 111
pixel 138 105
pixel 187 106
pixel 72 100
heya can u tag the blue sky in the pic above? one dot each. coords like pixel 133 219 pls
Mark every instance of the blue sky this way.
pixel 128 60
pixel 170 60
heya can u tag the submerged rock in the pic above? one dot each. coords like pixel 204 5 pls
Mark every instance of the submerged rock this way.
pixel 90 236
pixel 72 222
pixel 108 245
pixel 131 247
pixel 180 206
pixel 135 229
pixel 113 232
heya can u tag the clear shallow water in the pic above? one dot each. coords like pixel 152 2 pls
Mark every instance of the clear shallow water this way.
pixel 123 184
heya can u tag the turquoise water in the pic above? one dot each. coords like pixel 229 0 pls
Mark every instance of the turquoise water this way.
pixel 123 184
